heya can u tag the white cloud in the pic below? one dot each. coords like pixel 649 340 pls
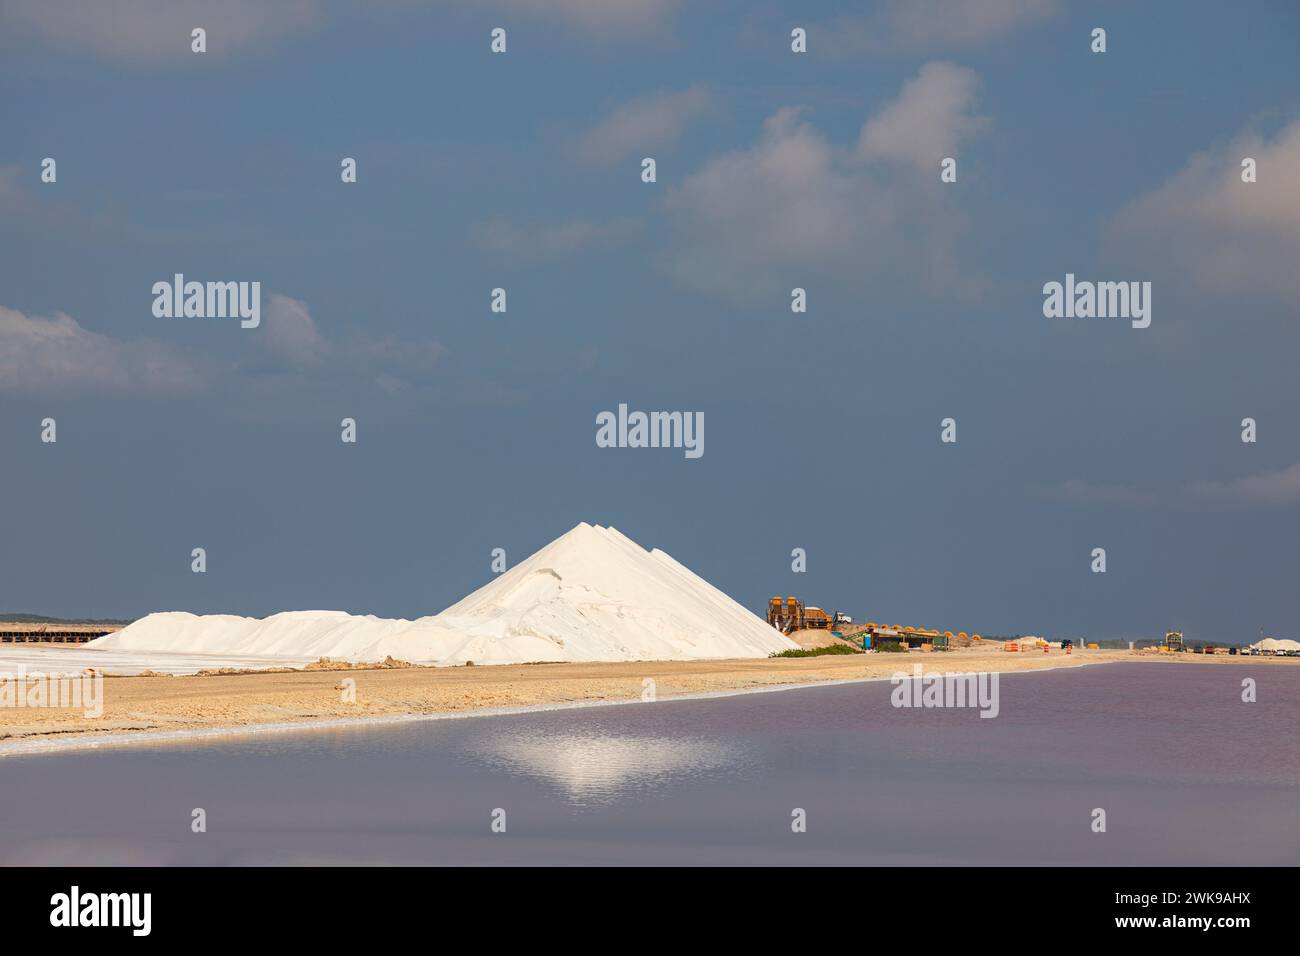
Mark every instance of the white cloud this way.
pixel 1268 488
pixel 154 31
pixel 1208 228
pixel 927 120
pixel 549 241
pixel 289 332
pixel 603 18
pixel 647 125
pixel 794 207
pixel 392 385
pixel 929 25
pixel 158 31
pixel 394 353
pixel 1080 492
pixel 785 199
pixel 1279 487
pixel 58 355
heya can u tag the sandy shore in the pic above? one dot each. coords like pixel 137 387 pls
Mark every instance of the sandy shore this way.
pixel 165 705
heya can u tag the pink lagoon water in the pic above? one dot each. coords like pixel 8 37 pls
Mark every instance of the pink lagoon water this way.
pixel 1186 772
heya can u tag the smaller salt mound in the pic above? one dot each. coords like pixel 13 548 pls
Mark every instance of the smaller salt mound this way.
pixel 1275 644
pixel 311 634
pixel 592 594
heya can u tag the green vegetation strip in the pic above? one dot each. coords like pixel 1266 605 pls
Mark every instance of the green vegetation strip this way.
pixel 817 651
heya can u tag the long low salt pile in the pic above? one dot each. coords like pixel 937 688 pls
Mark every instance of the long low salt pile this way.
pixel 1275 645
pixel 592 594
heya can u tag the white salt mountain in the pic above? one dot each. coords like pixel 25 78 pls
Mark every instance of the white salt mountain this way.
pixel 592 594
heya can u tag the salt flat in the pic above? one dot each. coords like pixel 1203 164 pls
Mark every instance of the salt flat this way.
pixel 62 660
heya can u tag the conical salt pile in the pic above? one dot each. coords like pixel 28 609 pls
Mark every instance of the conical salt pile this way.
pixel 592 594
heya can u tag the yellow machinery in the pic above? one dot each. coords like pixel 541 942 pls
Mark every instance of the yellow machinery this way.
pixel 791 614
pixel 785 615
pixel 816 617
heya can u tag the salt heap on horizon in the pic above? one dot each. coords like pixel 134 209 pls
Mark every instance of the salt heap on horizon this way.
pixel 592 594
pixel 1276 644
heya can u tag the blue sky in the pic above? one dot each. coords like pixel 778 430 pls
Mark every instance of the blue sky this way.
pixel 775 170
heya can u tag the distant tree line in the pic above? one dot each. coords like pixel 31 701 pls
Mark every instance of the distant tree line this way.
pixel 17 618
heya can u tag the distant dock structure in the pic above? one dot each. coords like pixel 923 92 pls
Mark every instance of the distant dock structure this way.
pixel 54 632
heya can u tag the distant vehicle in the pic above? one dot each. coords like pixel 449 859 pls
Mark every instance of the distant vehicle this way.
pixel 1065 644
pixel 842 618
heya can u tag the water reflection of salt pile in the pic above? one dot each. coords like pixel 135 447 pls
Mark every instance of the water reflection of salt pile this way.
pixel 594 766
